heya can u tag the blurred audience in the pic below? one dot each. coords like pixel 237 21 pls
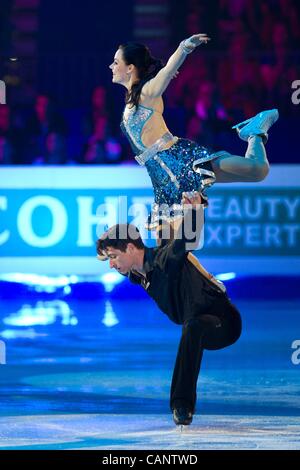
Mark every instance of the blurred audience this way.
pixel 100 146
pixel 209 116
pixel 45 134
pixel 10 137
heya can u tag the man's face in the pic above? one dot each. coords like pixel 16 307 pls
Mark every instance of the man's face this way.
pixel 120 260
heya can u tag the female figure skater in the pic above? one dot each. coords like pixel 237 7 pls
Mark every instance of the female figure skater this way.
pixel 175 165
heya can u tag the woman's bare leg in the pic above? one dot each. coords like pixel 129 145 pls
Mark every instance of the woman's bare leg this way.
pixel 254 166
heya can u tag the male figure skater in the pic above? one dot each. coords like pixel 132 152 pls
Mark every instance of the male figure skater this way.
pixel 183 290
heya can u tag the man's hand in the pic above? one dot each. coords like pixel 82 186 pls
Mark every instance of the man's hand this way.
pixel 192 198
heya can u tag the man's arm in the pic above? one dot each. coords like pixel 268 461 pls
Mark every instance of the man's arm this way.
pixel 188 234
pixel 157 85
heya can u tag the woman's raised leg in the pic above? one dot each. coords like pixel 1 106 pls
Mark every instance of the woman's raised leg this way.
pixel 254 166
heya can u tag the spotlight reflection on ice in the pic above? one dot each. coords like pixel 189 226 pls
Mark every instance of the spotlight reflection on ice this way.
pixel 226 276
pixel 35 279
pixel 67 290
pixel 50 284
pixel 42 313
pixel 29 333
pixel 110 279
pixel 109 318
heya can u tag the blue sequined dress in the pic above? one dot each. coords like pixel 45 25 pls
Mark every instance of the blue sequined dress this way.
pixel 171 170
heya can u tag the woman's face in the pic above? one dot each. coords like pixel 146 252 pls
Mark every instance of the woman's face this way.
pixel 120 71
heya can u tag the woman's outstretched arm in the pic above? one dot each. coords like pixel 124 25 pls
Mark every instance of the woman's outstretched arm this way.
pixel 157 85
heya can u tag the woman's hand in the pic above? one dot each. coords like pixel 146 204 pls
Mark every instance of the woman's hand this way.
pixel 194 41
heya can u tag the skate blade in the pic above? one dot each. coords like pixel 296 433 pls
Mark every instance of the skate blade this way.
pixel 182 427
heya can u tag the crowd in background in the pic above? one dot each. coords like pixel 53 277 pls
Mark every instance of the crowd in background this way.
pixel 253 59
pixel 41 134
pixel 250 64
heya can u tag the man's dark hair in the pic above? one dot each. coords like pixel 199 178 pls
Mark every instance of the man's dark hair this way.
pixel 118 237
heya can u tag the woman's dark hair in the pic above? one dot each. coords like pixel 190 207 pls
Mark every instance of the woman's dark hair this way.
pixel 147 67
